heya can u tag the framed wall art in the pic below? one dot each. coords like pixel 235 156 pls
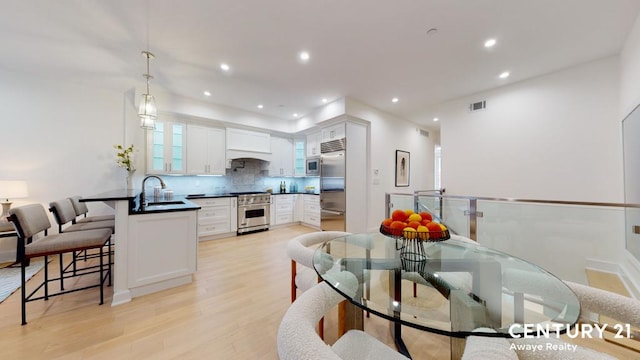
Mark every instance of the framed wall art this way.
pixel 402 168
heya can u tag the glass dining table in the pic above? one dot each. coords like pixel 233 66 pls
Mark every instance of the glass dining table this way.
pixel 454 287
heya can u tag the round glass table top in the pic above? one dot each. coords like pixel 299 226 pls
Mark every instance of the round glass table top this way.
pixel 453 287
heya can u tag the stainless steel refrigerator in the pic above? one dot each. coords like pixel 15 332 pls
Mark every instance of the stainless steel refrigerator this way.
pixel 332 189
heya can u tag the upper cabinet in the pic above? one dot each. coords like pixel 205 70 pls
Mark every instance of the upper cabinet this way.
pixel 166 150
pixel 299 158
pixel 313 144
pixel 281 157
pixel 205 150
pixel 334 132
pixel 247 140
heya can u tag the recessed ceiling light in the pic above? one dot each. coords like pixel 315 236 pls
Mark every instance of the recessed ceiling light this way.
pixel 295 115
pixel 260 106
pixel 224 67
pixel 435 119
pixel 304 56
pixel 395 100
pixel 489 43
pixel 504 75
pixel 324 100
pixel 206 93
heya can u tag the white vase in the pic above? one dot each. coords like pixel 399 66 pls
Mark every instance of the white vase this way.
pixel 130 174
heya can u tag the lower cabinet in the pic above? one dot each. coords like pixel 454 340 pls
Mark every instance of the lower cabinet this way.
pixel 283 208
pixel 217 218
pixel 311 210
pixel 295 208
pixel 162 248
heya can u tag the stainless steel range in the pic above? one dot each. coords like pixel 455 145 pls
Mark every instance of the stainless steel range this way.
pixel 253 211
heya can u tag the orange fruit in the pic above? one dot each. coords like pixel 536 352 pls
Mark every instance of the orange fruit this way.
pixel 426 216
pixel 425 222
pixel 399 215
pixel 396 227
pixel 413 224
pixel 414 217
pixel 434 227
pixel 387 222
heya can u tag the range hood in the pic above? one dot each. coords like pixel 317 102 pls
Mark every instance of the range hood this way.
pixel 242 154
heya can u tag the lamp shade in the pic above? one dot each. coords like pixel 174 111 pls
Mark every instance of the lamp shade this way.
pixel 12 189
pixel 148 112
pixel 148 106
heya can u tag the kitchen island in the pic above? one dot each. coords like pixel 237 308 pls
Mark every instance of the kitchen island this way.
pixel 155 245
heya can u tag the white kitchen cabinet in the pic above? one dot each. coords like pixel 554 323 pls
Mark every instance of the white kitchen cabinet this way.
pixel 298 207
pixel 247 140
pixel 272 211
pixel 166 151
pixel 283 208
pixel 311 210
pixel 313 144
pixel 334 132
pixel 281 157
pixel 161 248
pixel 299 158
pixel 218 217
pixel 205 150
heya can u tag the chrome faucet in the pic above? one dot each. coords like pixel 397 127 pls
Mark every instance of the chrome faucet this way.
pixel 143 200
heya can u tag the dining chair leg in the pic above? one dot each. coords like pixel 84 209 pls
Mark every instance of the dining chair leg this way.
pixel 61 273
pixel 101 276
pixel 109 259
pixel 23 290
pixel 46 277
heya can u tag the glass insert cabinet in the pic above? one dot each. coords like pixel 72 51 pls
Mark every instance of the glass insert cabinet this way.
pixel 166 145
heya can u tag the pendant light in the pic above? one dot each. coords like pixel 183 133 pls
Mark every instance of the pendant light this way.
pixel 147 111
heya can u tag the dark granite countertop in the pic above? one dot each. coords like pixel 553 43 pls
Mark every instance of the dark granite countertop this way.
pixel 207 196
pixel 177 203
pixel 113 195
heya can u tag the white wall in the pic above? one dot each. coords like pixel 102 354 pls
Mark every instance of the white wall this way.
pixel 629 99
pixel 388 134
pixel 59 137
pixel 630 71
pixel 554 137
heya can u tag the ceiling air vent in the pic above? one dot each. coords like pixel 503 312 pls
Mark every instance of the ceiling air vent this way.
pixel 480 105
pixel 424 133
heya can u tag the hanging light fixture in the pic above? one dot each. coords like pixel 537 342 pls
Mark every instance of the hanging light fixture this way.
pixel 147 111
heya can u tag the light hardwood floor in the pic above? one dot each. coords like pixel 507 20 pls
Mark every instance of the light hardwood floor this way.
pixel 231 311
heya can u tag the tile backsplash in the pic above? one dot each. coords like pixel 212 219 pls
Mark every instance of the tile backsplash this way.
pixel 244 175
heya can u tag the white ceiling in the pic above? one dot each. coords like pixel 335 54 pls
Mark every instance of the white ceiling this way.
pixel 364 49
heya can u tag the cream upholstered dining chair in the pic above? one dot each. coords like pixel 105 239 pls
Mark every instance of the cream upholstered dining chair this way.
pixel 30 221
pixel 593 302
pixel 488 348
pixel 65 216
pixel 300 250
pixel 64 213
pixel 81 209
pixel 297 338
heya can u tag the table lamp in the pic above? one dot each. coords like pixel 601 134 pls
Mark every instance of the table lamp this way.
pixel 11 189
